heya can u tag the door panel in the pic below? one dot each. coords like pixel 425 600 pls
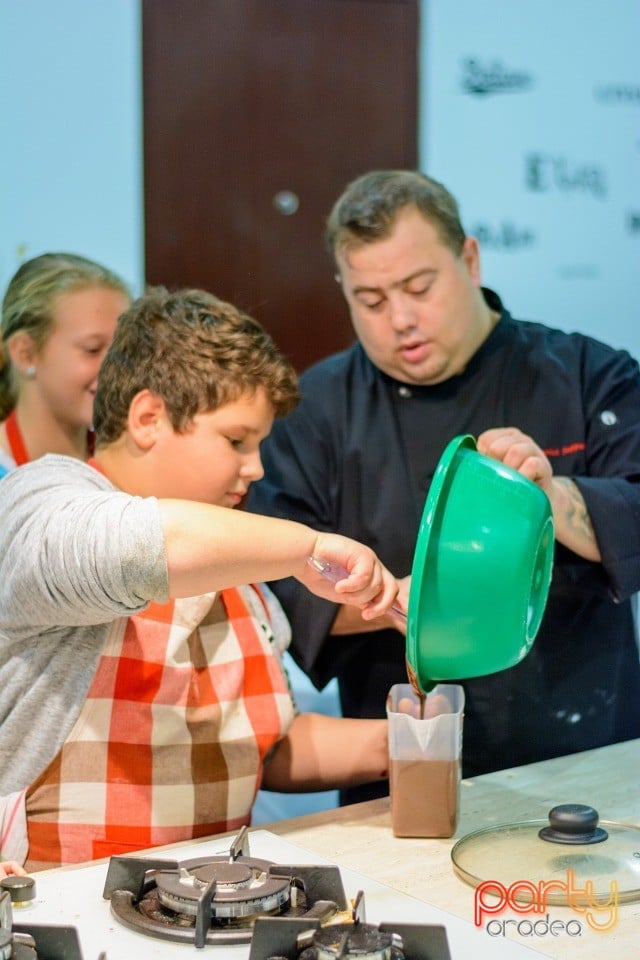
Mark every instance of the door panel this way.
pixel 256 115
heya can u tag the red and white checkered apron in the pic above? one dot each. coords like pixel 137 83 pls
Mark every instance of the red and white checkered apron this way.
pixel 187 700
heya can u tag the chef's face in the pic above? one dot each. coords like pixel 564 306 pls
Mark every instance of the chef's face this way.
pixel 415 305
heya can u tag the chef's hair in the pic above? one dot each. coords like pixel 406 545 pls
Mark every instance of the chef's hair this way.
pixel 369 206
pixel 29 302
pixel 195 352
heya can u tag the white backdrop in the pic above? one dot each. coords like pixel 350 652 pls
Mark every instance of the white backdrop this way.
pixel 530 115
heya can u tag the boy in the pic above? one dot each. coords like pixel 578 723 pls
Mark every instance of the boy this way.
pixel 118 731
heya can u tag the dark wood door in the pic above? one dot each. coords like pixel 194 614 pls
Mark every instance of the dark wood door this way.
pixel 256 114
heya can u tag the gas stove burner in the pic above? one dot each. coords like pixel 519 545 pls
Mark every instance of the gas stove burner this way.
pixel 217 899
pixel 276 938
pixel 359 940
pixel 242 888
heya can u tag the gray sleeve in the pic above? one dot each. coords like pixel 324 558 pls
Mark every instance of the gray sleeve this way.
pixel 73 550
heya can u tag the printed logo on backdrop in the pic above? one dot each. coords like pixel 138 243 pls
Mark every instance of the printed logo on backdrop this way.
pixel 480 79
pixel 618 94
pixel 578 271
pixel 544 172
pixel 504 237
pixel 633 221
pixel 492 898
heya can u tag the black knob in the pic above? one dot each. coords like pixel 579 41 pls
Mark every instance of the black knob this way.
pixel 21 889
pixel 574 823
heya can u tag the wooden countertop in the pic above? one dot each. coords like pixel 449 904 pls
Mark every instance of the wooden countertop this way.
pixel 359 837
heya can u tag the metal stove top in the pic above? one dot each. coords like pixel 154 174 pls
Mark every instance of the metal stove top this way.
pixel 74 896
pixel 216 899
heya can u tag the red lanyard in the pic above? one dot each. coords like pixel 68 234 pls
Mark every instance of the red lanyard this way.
pixel 16 443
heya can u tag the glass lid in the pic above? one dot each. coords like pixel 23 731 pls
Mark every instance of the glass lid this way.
pixel 582 856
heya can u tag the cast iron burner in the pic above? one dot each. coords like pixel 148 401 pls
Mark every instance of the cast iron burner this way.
pixel 20 941
pixel 298 939
pixel 362 940
pixel 217 899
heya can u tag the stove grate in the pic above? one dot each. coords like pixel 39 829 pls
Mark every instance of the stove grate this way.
pixel 218 899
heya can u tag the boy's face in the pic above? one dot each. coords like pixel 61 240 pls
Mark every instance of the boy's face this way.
pixel 218 458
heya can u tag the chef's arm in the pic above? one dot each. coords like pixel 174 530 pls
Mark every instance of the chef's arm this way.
pixel 572 524
pixel 349 620
pixel 328 753
pixel 571 520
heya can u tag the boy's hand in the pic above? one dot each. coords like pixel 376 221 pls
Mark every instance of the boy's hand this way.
pixel 402 603
pixel 369 585
pixel 11 866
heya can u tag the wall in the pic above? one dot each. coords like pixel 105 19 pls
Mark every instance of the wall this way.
pixel 70 115
pixel 530 115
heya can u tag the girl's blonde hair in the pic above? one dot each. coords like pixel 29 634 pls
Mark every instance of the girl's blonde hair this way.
pixel 29 301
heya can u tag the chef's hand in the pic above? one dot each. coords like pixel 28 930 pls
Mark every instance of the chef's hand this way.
pixel 515 449
pixel 572 523
pixel 368 586
pixel 11 866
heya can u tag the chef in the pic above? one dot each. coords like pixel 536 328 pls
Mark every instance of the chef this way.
pixel 438 355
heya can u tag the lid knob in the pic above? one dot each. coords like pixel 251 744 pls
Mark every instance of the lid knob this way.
pixel 574 823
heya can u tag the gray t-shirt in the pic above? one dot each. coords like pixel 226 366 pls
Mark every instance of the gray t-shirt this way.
pixel 75 554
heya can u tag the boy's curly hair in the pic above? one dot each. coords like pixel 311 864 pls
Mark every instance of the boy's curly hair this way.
pixel 194 351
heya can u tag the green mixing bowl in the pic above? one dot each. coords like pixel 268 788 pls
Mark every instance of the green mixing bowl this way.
pixel 481 568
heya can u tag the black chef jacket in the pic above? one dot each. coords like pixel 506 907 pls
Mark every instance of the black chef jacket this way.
pixel 357 456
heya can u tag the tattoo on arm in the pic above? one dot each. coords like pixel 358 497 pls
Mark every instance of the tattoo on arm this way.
pixel 575 511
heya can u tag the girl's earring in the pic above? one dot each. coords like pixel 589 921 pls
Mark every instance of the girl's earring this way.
pixel 30 372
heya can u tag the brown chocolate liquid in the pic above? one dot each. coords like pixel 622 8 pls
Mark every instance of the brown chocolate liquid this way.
pixel 424 797
pixel 415 686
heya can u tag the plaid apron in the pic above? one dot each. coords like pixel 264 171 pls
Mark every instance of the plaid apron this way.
pixel 187 700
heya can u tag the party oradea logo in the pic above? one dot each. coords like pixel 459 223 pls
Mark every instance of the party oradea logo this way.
pixel 531 900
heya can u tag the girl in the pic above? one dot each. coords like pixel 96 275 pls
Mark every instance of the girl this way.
pixel 58 318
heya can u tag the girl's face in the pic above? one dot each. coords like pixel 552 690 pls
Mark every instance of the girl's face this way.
pixel 66 367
